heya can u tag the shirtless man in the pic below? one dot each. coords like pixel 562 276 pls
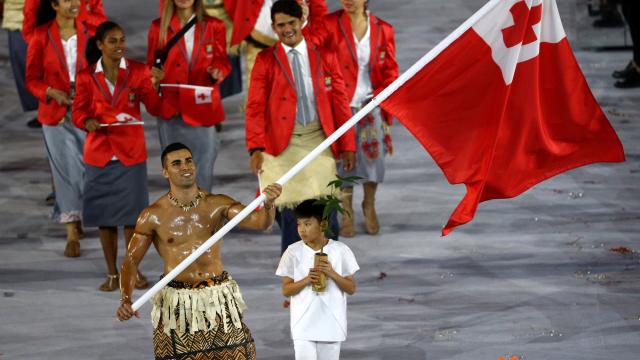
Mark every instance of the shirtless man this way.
pixel 202 307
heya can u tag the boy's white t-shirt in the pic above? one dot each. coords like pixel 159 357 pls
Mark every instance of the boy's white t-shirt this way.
pixel 318 316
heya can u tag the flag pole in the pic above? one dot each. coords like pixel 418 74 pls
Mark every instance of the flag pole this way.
pixel 375 102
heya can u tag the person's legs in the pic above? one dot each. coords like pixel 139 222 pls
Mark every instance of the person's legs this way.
pixel 328 350
pixel 371 224
pixel 334 225
pixel 64 145
pixel 631 11
pixel 72 248
pixel 109 241
pixel 141 280
pixel 630 77
pixel 18 56
pixel 305 350
pixel 288 228
pixel 347 228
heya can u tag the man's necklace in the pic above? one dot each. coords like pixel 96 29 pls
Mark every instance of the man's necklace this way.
pixel 186 207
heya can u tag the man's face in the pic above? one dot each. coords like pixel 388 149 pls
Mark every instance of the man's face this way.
pixel 310 229
pixel 288 29
pixel 180 169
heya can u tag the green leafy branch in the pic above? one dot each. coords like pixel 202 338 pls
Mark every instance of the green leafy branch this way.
pixel 332 203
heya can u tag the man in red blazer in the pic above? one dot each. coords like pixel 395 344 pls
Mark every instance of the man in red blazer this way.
pixel 252 24
pixel 296 99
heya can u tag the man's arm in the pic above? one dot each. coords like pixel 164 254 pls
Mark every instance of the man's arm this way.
pixel 341 114
pixel 257 101
pixel 261 219
pixel 138 246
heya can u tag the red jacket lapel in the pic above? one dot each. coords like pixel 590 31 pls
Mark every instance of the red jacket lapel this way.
pixel 283 62
pixel 347 32
pixel 374 40
pixel 56 42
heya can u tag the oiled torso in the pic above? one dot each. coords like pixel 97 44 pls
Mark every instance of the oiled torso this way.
pixel 177 233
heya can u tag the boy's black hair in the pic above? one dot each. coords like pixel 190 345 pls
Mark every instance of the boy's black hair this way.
pixel 171 148
pixel 289 7
pixel 309 209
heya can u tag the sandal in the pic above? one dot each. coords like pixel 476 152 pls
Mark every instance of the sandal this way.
pixel 111 284
pixel 72 249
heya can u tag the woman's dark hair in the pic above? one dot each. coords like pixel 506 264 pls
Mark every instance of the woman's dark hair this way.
pixel 309 209
pixel 288 7
pixel 92 53
pixel 45 12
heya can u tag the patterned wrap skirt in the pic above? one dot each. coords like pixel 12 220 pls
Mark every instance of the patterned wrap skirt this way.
pixel 201 321
pixel 372 147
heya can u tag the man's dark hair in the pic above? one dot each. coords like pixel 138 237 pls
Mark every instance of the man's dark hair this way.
pixel 309 209
pixel 171 148
pixel 288 7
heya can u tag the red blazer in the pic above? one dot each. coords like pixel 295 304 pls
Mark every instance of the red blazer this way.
pixel 334 32
pixel 244 14
pixel 209 49
pixel 47 66
pixel 93 100
pixel 91 15
pixel 271 105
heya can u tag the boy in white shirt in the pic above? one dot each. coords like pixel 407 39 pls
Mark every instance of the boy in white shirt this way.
pixel 318 319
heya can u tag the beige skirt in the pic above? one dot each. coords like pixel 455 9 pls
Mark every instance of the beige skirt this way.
pixel 312 181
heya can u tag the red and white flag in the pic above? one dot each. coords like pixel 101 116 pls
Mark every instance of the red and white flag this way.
pixel 109 116
pixel 505 106
pixel 195 100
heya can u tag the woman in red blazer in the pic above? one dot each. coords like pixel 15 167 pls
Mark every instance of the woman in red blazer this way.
pixel 198 58
pixel 54 56
pixel 366 50
pixel 90 14
pixel 107 105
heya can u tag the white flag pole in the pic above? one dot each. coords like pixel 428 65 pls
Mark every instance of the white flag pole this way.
pixel 128 123
pixel 187 86
pixel 376 101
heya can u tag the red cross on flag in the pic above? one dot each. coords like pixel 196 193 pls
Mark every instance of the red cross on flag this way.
pixel 505 106
pixel 194 100
pixel 203 95
pixel 108 115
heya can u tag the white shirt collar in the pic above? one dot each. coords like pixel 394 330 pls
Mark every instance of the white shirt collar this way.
pixel 99 69
pixel 301 47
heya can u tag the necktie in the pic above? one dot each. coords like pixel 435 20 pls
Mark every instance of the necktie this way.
pixel 303 112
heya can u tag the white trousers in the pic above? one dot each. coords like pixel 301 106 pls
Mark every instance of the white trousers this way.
pixel 316 350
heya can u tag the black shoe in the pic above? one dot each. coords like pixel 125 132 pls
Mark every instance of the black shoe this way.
pixel 51 199
pixel 34 123
pixel 632 80
pixel 619 74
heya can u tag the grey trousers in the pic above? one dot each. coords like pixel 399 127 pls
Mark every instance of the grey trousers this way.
pixel 202 140
pixel 18 55
pixel 64 144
